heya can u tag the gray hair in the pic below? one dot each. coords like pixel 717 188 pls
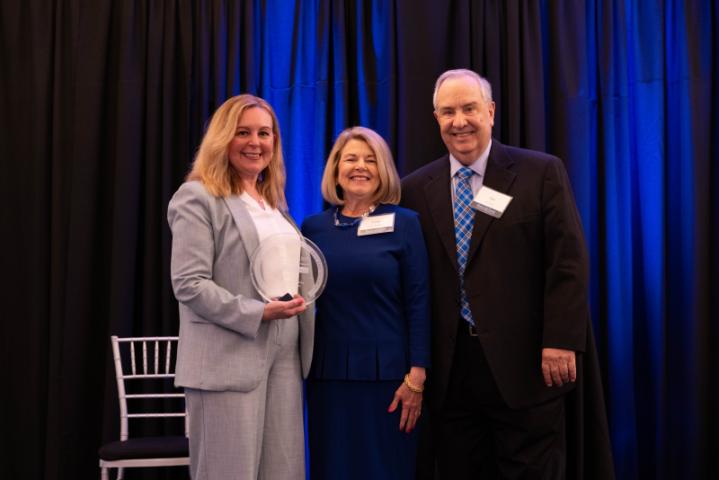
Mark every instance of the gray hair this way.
pixel 483 83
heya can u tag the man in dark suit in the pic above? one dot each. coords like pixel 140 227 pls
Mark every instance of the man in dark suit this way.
pixel 510 309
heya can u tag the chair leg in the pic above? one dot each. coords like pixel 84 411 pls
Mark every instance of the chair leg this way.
pixel 103 474
pixel 120 473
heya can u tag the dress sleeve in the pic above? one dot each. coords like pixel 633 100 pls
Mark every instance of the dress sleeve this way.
pixel 414 266
pixel 193 253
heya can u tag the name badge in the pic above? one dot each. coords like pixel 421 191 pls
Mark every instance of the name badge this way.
pixel 376 224
pixel 491 202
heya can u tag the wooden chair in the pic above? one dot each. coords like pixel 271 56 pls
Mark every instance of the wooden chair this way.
pixel 145 360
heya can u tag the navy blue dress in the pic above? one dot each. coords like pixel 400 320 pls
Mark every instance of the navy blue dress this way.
pixel 372 325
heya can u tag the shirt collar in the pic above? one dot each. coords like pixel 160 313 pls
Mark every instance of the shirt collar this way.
pixel 478 166
pixel 251 202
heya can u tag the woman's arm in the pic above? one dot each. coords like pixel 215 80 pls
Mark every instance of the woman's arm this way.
pixel 193 254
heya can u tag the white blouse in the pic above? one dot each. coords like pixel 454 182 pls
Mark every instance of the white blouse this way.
pixel 268 221
pixel 280 268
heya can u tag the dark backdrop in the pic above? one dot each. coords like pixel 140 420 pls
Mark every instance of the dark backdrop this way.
pixel 102 104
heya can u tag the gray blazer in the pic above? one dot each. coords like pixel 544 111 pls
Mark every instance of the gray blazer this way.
pixel 223 340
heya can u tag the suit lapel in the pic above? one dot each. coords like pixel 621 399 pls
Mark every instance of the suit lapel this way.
pixel 498 177
pixel 439 198
pixel 244 223
pixel 291 221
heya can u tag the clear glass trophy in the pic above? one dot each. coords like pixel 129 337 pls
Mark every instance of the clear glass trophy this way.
pixel 287 264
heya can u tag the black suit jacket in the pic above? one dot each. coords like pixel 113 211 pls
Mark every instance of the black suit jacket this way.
pixel 526 277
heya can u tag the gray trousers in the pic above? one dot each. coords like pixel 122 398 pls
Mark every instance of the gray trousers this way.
pixel 257 434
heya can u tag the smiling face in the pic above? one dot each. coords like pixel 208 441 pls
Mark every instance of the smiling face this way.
pixel 250 151
pixel 465 118
pixel 357 172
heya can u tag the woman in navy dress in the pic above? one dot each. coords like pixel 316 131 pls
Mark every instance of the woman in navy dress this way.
pixel 364 391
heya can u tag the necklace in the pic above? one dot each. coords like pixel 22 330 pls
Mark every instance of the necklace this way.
pixel 355 221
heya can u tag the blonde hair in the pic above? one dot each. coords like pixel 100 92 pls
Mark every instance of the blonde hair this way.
pixel 212 165
pixel 389 190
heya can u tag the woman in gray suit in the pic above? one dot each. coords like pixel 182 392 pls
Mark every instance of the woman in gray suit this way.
pixel 240 359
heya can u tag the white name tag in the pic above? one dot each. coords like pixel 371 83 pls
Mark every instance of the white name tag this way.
pixel 376 224
pixel 491 202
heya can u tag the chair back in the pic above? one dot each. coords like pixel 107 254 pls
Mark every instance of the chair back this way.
pixel 150 360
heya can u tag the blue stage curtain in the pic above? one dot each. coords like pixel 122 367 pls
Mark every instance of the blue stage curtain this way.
pixel 635 91
pixel 321 72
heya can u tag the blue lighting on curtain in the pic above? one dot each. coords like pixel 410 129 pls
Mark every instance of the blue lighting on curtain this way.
pixel 318 75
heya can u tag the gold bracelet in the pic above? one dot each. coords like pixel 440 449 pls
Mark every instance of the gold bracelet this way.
pixel 413 388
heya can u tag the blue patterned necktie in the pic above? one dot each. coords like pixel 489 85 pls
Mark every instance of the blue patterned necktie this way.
pixel 463 223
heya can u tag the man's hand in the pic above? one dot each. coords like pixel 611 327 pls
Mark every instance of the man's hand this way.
pixel 558 366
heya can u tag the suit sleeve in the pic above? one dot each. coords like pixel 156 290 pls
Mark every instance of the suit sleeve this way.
pixel 414 266
pixel 566 307
pixel 193 253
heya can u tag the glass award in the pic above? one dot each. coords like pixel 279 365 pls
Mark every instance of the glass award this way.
pixel 287 264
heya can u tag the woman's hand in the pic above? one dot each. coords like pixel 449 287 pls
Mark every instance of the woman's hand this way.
pixel 411 400
pixel 277 309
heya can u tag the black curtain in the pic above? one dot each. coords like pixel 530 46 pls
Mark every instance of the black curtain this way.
pixel 103 103
pixel 95 122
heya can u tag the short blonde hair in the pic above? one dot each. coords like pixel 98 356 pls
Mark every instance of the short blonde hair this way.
pixel 389 190
pixel 212 165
